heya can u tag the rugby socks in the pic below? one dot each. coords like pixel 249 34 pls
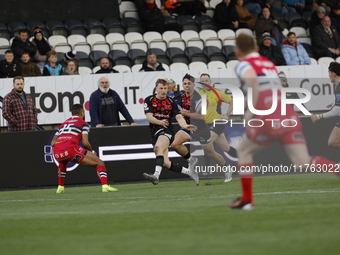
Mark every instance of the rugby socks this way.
pixel 61 174
pixel 175 167
pixel 187 157
pixel 159 166
pixel 101 171
pixel 324 163
pixel 246 178
pixel 232 152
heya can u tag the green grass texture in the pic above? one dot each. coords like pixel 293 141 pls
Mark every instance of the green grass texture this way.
pixel 291 216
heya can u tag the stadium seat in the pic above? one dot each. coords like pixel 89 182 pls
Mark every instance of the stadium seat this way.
pixel 154 40
pixel 177 55
pixel 189 35
pixel 195 54
pixel 313 61
pixel 213 3
pixel 225 34
pixel 113 25
pixel 135 41
pixel 169 19
pixel 337 59
pixel 95 69
pixel 205 22
pixel 187 22
pixel 120 57
pixel 120 45
pixel 295 20
pixel 232 63
pixel 161 55
pixel 299 31
pixel 57 39
pixel 197 66
pixel 231 42
pixel 62 48
pixel 214 53
pixel 325 60
pixel 178 67
pixel 15 26
pixel 56 27
pixel 166 67
pixel 216 65
pixel 4 46
pixel 2 57
pixel 84 70
pixel 4 33
pixel 305 40
pixel 136 68
pixel 122 68
pixel 75 26
pixel 73 40
pixel 210 38
pixel 306 15
pixel 137 56
pixel 285 32
pixel 32 24
pixel 98 42
pixel 114 37
pixel 96 55
pixel 84 59
pixel 243 31
pixel 126 6
pixel 132 25
pixel 229 52
pixel 94 26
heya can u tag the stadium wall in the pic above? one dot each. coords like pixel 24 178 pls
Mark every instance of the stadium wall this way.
pixel 26 159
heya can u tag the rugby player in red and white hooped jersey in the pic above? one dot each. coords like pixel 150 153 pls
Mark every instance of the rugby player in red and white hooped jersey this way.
pixel 259 74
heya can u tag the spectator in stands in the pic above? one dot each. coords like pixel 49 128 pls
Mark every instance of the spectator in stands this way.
pixel 254 6
pixel 279 6
pixel 270 51
pixel 244 15
pixel 266 22
pixel 9 67
pixel 71 68
pixel 284 83
pixel 335 17
pixel 52 68
pixel 29 69
pixel 316 18
pixel 43 46
pixel 151 64
pixel 105 105
pixel 293 51
pixel 192 8
pixel 326 39
pixel 328 4
pixel 21 44
pixel 226 17
pixel 105 66
pixel 299 5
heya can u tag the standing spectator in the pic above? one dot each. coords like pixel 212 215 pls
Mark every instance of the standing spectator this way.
pixel 18 108
pixel 244 15
pixel 28 68
pixel 326 39
pixel 293 51
pixel 151 64
pixel 43 46
pixel 52 68
pixel 226 17
pixel 266 22
pixel 9 67
pixel 71 68
pixel 335 16
pixel 105 66
pixel 316 18
pixel 270 51
pixel 279 6
pixel 21 44
pixel 105 105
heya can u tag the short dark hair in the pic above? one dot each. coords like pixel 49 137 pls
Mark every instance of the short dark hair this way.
pixel 24 30
pixel 334 67
pixel 76 109
pixel 189 77
pixel 9 52
pixel 245 43
pixel 162 81
pixel 18 78
pixel 25 53
pixel 291 33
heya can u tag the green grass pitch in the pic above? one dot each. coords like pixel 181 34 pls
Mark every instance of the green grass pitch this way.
pixel 291 216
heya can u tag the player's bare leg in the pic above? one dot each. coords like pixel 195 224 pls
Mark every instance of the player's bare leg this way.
pixel 245 154
pixel 334 138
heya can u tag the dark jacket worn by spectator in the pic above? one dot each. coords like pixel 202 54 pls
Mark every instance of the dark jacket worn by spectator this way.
pixel 148 68
pixel 224 15
pixel 273 53
pixel 9 69
pixel 263 25
pixel 19 47
pixel 29 69
pixel 322 41
pixel 108 70
pixel 151 18
pixel 315 19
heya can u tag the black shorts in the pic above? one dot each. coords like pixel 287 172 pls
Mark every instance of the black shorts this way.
pixel 201 135
pixel 218 129
pixel 164 131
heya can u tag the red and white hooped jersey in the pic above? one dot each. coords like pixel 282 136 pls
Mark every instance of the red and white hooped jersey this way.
pixel 71 130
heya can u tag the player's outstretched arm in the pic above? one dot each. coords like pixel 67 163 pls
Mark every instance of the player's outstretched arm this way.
pixel 183 124
pixel 54 140
pixel 153 120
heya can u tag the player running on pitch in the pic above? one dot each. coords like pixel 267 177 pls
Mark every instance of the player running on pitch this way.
pixel 66 148
pixel 260 74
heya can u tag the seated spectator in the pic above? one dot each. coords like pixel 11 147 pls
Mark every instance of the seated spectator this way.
pixel 151 64
pixel 9 67
pixel 316 18
pixel 335 17
pixel 105 66
pixel 193 8
pixel 29 69
pixel 299 5
pixel 326 39
pixel 293 51
pixel 254 6
pixel 21 44
pixel 267 23
pixel 278 6
pixel 226 17
pixel 244 15
pixel 43 46
pixel 52 68
pixel 70 55
pixel 327 4
pixel 270 51
pixel 71 68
